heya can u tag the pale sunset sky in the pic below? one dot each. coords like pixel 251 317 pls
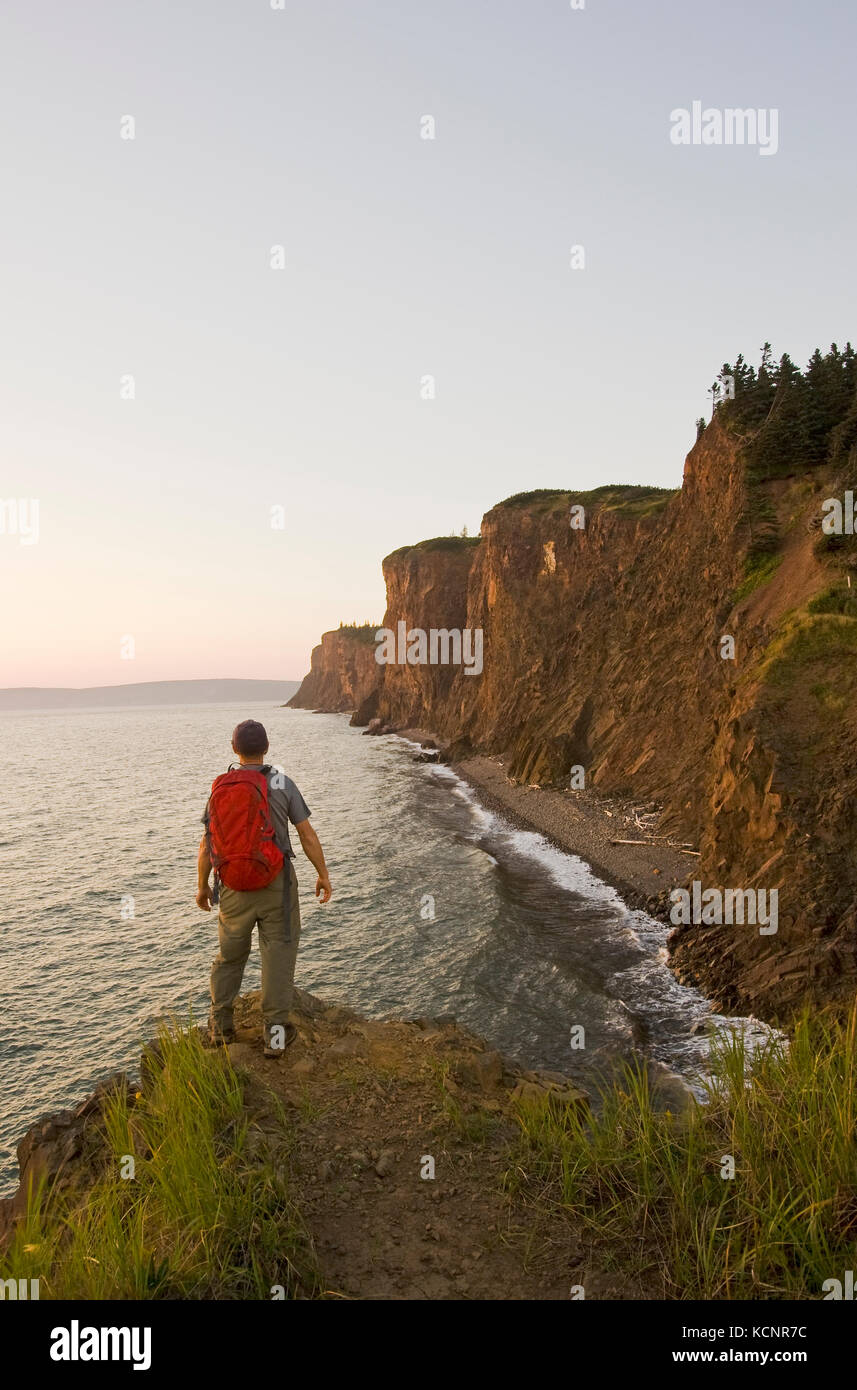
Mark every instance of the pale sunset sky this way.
pixel 404 257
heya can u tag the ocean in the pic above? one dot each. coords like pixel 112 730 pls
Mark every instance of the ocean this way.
pixel 439 905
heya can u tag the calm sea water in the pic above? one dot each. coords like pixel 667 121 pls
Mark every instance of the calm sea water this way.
pixel 98 807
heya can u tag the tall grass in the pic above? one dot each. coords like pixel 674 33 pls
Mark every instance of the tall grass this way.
pixel 199 1219
pixel 649 1187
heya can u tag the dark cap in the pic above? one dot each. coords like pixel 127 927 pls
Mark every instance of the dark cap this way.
pixel 249 738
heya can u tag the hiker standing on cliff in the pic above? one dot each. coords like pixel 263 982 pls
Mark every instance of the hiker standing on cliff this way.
pixel 246 842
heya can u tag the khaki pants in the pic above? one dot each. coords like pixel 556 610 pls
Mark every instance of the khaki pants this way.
pixel 239 914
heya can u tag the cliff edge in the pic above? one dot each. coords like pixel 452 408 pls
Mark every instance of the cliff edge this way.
pixel 691 650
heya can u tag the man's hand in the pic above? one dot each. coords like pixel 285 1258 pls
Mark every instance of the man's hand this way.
pixel 311 846
pixel 203 873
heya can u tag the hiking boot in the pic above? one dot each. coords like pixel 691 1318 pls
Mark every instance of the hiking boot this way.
pixel 213 1038
pixel 290 1033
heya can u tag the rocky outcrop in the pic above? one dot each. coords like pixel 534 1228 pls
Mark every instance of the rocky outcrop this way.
pixel 427 587
pixel 343 674
pixel 60 1150
pixel 372 1095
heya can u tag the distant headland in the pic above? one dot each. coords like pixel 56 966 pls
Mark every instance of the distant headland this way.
pixel 198 692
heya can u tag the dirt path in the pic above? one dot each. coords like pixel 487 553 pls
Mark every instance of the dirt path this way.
pixel 371 1104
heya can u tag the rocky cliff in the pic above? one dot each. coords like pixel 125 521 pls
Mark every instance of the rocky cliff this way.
pixel 695 649
pixel 339 1127
pixel 343 673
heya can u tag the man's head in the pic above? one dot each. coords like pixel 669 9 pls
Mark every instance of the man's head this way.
pixel 249 740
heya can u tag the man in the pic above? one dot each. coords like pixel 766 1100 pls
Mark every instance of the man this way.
pixel 255 804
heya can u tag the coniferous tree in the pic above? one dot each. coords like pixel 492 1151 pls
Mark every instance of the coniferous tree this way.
pixel 791 420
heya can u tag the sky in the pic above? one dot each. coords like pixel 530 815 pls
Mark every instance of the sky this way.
pixel 424 343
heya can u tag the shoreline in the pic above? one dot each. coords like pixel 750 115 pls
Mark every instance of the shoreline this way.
pixel 643 873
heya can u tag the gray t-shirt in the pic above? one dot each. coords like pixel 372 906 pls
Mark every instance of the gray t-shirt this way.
pixel 286 805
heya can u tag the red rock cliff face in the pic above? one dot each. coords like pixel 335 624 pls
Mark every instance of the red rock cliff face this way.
pixel 427 587
pixel 601 643
pixel 602 648
pixel 598 643
pixel 343 674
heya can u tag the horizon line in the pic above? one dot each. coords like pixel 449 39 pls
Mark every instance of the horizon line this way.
pixel 165 680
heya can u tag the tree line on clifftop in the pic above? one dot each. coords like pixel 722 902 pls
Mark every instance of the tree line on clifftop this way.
pixel 790 420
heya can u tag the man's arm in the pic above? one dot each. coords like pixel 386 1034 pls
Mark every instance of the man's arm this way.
pixel 203 869
pixel 311 846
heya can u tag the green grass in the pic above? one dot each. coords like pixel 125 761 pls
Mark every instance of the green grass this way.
pixel 475 1125
pixel 806 638
pixel 360 632
pixel 200 1219
pixel 760 567
pixel 631 501
pixel 838 598
pixel 626 499
pixel 539 499
pixel 459 544
pixel 203 1217
pixel 647 1186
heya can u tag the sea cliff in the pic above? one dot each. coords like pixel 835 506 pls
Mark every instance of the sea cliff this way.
pixel 691 652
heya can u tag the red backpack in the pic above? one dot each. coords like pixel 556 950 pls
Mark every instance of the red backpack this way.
pixel 240 831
